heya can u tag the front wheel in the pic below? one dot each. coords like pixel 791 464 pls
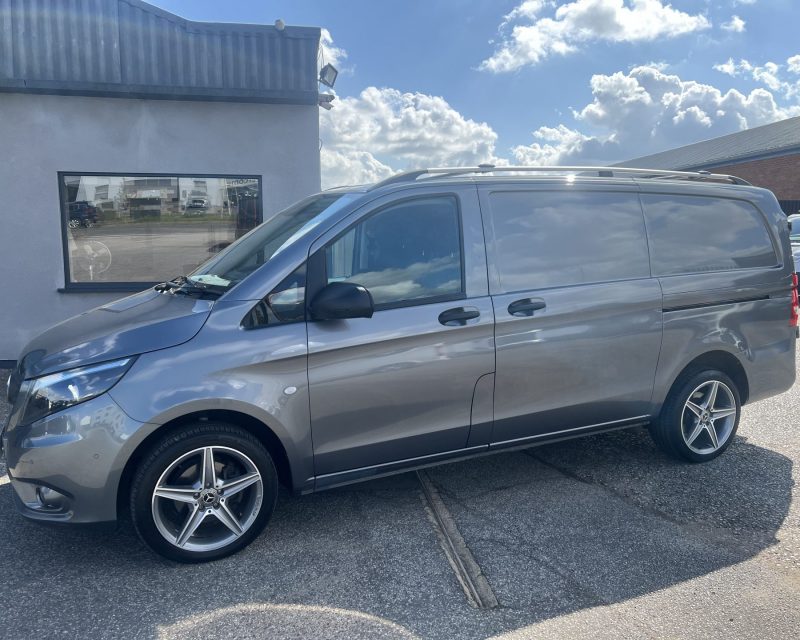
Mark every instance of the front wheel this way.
pixel 700 417
pixel 203 493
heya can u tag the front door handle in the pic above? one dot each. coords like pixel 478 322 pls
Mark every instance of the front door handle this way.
pixel 458 316
pixel 526 307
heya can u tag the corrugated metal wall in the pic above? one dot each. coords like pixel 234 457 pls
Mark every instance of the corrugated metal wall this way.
pixel 127 46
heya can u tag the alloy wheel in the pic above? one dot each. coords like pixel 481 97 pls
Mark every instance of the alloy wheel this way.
pixel 207 498
pixel 708 417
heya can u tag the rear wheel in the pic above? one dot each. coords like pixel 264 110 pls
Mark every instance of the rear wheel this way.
pixel 700 417
pixel 203 493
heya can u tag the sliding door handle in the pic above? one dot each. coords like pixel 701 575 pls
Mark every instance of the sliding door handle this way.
pixel 526 307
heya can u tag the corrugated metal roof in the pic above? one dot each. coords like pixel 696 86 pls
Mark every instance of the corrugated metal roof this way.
pixel 129 48
pixel 768 140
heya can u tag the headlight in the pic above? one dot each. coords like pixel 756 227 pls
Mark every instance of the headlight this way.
pixel 58 391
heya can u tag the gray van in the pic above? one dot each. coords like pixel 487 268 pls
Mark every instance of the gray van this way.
pixel 437 315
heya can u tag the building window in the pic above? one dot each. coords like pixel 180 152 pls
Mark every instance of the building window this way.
pixel 128 232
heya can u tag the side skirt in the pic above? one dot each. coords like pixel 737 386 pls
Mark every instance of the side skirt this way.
pixel 362 474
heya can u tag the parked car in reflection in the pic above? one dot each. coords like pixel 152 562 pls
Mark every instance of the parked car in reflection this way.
pixel 197 203
pixel 82 214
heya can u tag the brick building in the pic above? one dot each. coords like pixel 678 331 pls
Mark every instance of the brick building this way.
pixel 767 156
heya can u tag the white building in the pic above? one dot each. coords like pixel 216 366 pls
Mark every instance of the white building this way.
pixel 136 144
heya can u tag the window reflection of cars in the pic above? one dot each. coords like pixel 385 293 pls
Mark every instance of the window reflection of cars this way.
pixel 82 214
pixel 197 203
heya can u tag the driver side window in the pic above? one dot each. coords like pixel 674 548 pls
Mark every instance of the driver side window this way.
pixel 408 253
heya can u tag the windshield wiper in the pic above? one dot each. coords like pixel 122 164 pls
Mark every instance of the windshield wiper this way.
pixel 172 284
pixel 183 286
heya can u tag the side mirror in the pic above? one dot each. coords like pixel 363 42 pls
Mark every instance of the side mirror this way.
pixel 342 300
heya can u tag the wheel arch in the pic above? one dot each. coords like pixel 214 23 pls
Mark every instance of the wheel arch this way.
pixel 724 361
pixel 252 425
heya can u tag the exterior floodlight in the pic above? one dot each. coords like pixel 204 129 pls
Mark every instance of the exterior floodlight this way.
pixel 325 100
pixel 327 75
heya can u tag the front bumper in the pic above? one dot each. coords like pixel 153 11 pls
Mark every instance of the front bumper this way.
pixel 67 466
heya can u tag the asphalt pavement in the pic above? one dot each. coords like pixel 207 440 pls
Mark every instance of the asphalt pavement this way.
pixel 602 537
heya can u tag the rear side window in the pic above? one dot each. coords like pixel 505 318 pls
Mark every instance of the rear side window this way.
pixel 693 234
pixel 554 239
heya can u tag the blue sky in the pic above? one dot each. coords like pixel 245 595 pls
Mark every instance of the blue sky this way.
pixel 536 81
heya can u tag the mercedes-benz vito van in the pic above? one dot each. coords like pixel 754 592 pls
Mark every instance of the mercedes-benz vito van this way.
pixel 436 315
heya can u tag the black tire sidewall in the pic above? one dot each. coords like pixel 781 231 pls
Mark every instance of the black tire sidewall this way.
pixel 669 433
pixel 170 448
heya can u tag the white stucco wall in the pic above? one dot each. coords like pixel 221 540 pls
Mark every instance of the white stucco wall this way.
pixel 41 135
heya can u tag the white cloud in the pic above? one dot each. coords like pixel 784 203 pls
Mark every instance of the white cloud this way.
pixel 351 167
pixel 734 25
pixel 533 38
pixel 769 74
pixel 528 9
pixel 556 142
pixel 728 68
pixel 634 113
pixel 363 135
pixel 331 54
pixel 645 111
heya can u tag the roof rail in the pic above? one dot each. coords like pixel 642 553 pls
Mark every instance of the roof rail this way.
pixel 601 171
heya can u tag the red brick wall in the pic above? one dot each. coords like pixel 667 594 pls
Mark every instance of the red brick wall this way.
pixel 779 175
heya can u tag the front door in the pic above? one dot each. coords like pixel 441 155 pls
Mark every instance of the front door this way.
pixel 400 385
pixel 578 316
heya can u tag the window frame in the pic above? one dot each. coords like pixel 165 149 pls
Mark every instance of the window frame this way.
pixel 317 271
pixel 128 287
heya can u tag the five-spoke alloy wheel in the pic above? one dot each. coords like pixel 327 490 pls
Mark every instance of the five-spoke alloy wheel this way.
pixel 700 417
pixel 203 493
pixel 708 418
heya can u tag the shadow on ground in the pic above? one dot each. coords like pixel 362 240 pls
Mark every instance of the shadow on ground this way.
pixel 556 529
pixel 604 519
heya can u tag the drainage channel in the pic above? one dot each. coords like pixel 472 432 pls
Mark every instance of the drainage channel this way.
pixel 468 572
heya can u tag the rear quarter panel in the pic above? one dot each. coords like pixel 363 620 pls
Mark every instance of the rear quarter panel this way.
pixel 743 312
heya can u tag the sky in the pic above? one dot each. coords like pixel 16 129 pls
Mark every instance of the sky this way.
pixel 458 82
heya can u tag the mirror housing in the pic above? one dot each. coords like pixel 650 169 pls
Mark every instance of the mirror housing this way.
pixel 340 301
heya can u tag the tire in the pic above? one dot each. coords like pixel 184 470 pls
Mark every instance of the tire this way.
pixel 686 429
pixel 196 521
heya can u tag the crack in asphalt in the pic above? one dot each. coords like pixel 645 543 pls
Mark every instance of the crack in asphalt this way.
pixel 588 596
pixel 469 573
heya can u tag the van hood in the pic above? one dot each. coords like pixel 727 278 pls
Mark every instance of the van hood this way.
pixel 146 321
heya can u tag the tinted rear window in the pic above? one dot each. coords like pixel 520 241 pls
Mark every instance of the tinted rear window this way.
pixel 552 239
pixel 691 234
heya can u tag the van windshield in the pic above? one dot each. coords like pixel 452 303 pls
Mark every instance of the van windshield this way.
pixel 247 254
